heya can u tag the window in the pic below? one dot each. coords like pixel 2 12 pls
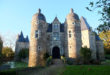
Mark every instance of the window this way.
pixel 69 31
pixel 73 22
pixel 69 34
pixel 36 34
pixel 56 26
pixel 70 46
pixel 55 36
pixel 39 48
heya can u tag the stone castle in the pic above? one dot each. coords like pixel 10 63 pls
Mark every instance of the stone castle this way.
pixel 21 43
pixel 60 39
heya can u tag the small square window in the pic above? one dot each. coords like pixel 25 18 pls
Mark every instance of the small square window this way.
pixel 39 48
pixel 36 34
pixel 70 46
pixel 69 31
pixel 73 22
pixel 70 35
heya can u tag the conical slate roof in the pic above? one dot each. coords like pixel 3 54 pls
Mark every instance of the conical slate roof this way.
pixel 20 38
pixel 26 39
pixel 84 24
pixel 38 16
pixel 72 15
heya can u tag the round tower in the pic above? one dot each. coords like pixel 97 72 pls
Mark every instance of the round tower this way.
pixel 37 39
pixel 72 35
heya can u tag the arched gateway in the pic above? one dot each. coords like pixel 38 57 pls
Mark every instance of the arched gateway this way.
pixel 56 53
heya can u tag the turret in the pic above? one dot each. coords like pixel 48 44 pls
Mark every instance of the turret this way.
pixel 73 35
pixel 37 39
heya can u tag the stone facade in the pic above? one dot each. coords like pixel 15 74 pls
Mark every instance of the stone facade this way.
pixel 88 37
pixel 72 35
pixel 100 50
pixel 61 39
pixel 21 43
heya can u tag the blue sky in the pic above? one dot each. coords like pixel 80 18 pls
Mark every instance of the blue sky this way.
pixel 16 15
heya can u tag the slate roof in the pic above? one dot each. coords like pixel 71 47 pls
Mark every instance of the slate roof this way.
pixel 72 15
pixel 38 16
pixel 27 39
pixel 84 24
pixel 61 27
pixel 21 38
pixel 97 38
pixel 49 29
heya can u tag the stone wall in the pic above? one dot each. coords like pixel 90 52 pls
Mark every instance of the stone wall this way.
pixel 93 44
pixel 73 38
pixel 88 39
pixel 19 46
pixel 37 44
pixel 100 50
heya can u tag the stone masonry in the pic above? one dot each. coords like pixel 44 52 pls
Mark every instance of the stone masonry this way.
pixel 62 39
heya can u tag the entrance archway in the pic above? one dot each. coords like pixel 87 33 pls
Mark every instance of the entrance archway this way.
pixel 56 53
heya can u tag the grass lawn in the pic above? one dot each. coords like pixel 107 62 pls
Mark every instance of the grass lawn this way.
pixel 17 66
pixel 87 70
pixel 20 65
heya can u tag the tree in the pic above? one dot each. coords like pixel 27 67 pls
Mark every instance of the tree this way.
pixel 105 36
pixel 103 7
pixel 7 52
pixel 1 45
pixel 24 53
pixel 85 53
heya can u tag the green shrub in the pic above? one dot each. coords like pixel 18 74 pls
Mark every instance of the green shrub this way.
pixel 63 59
pixel 107 51
pixel 70 61
pixel 46 55
pixel 85 54
pixel 8 72
pixel 24 53
pixel 49 61
pixel 7 52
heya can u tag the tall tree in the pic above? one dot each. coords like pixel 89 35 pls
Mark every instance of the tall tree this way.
pixel 103 7
pixel 105 36
pixel 7 52
pixel 1 45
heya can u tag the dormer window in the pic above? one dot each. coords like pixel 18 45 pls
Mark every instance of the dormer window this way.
pixel 55 26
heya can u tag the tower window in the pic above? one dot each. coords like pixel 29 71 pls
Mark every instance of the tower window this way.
pixel 69 35
pixel 69 31
pixel 73 22
pixel 70 46
pixel 39 48
pixel 36 34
